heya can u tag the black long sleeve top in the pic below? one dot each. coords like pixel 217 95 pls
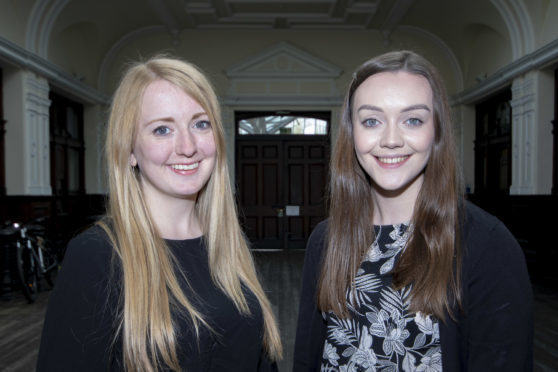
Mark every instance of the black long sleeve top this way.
pixel 80 331
pixel 492 332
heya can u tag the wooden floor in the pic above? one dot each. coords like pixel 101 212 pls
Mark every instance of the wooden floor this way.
pixel 281 273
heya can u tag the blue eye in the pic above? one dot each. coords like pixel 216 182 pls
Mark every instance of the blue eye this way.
pixel 202 124
pixel 415 122
pixel 161 130
pixel 370 123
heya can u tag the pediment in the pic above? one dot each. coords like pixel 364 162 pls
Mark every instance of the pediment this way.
pixel 283 60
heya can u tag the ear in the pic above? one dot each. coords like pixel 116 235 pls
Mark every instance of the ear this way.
pixel 133 160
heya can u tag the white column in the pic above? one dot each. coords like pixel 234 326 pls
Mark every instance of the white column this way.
pixel 523 136
pixel 27 145
pixel 95 120
pixel 36 136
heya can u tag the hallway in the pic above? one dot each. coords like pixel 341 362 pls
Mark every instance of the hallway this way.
pixel 281 272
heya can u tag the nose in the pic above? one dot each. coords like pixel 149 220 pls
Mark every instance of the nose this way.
pixel 185 144
pixel 391 136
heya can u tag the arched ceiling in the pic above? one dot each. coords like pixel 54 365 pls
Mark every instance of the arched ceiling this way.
pixel 115 19
pixel 96 29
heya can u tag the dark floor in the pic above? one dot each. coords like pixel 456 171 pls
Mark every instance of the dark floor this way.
pixel 281 271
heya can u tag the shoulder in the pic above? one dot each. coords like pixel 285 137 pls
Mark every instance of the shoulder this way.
pixel 316 244
pixel 319 232
pixel 93 238
pixel 476 217
pixel 489 246
pixel 318 236
pixel 480 226
pixel 89 250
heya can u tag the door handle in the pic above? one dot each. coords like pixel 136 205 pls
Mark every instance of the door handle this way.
pixel 279 209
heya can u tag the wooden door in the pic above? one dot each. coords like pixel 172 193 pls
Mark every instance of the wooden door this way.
pixel 281 187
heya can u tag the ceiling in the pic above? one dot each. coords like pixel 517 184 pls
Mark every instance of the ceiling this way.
pixel 280 14
pixel 99 30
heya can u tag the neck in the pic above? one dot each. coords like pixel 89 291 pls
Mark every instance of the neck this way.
pixel 174 218
pixel 395 207
pixel 391 211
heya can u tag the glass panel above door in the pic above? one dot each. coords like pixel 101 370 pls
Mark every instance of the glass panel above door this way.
pixel 282 124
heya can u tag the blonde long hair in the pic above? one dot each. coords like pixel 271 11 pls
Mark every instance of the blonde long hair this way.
pixel 149 280
pixel 431 261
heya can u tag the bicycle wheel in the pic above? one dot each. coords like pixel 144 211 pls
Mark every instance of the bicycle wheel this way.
pixel 51 265
pixel 27 272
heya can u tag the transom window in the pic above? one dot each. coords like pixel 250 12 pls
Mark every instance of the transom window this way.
pixel 282 124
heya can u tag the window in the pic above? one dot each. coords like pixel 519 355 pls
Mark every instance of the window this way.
pixel 282 123
pixel 66 146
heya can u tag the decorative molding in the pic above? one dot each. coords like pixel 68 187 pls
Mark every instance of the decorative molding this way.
pixel 456 67
pixel 48 24
pixel 283 75
pixel 39 28
pixel 55 75
pixel 504 76
pixel 523 136
pixel 398 10
pixel 36 136
pixel 520 27
pixel 34 23
pixel 268 63
pixel 281 14
pixel 281 101
pixel 117 47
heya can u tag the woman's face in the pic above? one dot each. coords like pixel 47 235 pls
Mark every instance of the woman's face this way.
pixel 393 130
pixel 174 147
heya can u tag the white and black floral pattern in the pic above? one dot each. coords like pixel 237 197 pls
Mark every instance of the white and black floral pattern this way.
pixel 381 335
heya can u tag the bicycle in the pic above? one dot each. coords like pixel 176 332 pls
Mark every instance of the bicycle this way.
pixel 35 256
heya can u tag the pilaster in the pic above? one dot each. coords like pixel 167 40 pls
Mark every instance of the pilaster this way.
pixel 523 136
pixel 36 138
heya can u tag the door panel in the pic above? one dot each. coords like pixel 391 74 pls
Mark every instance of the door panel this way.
pixel 258 176
pixel 281 184
pixel 306 162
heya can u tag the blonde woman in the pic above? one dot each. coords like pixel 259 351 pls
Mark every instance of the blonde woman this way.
pixel 405 275
pixel 165 281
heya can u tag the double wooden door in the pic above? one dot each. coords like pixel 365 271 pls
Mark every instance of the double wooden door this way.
pixel 281 183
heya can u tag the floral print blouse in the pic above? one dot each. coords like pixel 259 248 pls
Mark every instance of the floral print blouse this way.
pixel 381 334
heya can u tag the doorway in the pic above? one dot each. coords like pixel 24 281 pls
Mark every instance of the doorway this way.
pixel 493 145
pixel 281 173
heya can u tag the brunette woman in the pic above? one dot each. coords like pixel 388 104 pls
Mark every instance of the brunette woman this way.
pixel 165 281
pixel 405 275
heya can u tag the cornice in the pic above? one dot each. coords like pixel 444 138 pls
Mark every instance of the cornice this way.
pixel 538 59
pixel 25 59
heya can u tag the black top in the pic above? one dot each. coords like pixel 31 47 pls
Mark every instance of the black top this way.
pixel 494 332
pixel 82 313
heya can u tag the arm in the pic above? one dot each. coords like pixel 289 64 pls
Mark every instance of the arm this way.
pixel 499 309
pixel 311 327
pixel 78 328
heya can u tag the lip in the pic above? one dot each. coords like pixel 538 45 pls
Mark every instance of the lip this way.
pixel 392 161
pixel 185 168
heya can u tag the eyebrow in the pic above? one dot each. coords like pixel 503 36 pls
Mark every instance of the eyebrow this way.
pixel 170 118
pixel 410 108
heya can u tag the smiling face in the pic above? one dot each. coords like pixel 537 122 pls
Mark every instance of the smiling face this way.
pixel 393 131
pixel 174 147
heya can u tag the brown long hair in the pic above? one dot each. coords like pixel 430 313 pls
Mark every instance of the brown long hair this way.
pixel 432 257
pixel 150 287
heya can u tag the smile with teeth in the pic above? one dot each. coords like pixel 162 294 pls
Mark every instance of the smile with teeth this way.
pixel 392 160
pixel 185 166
